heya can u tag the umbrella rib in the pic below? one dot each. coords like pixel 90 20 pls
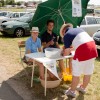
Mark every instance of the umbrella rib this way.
pixel 49 8
pixel 70 19
pixel 43 17
pixel 61 16
pixel 66 10
pixel 59 4
pixel 54 15
pixel 60 12
pixel 57 19
pixel 43 28
pixel 65 5
pixel 57 23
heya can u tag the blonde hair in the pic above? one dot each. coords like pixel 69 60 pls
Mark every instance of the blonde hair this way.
pixel 63 27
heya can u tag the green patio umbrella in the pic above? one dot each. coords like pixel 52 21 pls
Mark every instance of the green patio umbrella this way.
pixel 58 10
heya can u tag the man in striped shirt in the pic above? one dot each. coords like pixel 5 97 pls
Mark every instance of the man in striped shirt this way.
pixel 83 60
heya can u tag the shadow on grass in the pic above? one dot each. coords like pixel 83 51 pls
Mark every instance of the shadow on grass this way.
pixel 5 36
pixel 98 53
pixel 80 96
pixel 98 59
pixel 37 90
pixel 7 93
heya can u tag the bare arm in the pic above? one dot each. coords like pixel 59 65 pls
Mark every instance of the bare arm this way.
pixel 66 52
pixel 45 45
pixel 40 49
pixel 29 59
pixel 28 51
pixel 57 45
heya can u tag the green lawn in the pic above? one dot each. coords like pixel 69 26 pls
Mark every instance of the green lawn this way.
pixel 12 9
pixel 9 56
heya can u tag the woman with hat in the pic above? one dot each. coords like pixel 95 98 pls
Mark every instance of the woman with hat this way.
pixel 33 44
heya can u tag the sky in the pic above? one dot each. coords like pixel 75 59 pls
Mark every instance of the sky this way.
pixel 95 2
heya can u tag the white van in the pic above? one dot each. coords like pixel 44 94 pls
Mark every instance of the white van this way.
pixel 91 24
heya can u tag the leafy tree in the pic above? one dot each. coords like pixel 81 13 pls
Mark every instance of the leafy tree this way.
pixel 0 4
pixel 26 4
pixel 10 2
pixel 18 3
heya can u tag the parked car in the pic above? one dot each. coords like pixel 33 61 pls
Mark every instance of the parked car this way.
pixel 22 6
pixel 30 14
pixel 19 27
pixel 96 37
pixel 31 10
pixel 90 24
pixel 11 16
pixel 4 13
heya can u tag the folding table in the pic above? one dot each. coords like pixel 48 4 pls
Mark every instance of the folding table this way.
pixel 40 57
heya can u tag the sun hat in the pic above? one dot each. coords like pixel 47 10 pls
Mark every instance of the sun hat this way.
pixel 35 29
pixel 64 26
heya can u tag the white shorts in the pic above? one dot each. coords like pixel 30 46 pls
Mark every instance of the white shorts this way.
pixel 82 67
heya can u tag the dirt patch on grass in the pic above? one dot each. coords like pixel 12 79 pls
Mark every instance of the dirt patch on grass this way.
pixel 9 54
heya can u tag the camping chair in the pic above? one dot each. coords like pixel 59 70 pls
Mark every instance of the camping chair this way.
pixel 24 62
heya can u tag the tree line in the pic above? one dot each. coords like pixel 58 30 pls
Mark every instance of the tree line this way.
pixel 9 2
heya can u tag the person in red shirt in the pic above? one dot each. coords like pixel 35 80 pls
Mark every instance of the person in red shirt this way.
pixel 83 60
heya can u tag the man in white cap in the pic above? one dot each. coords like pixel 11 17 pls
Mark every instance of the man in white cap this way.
pixel 83 60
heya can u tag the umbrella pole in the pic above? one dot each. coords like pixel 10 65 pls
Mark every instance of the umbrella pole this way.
pixel 61 16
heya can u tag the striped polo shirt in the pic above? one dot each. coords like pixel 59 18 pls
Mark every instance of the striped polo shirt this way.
pixel 83 44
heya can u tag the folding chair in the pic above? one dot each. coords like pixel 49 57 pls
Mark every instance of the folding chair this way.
pixel 24 63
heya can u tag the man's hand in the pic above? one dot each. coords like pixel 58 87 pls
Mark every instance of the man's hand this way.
pixel 51 42
pixel 66 52
pixel 45 45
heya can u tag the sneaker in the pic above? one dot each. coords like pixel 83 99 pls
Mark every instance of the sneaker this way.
pixel 70 93
pixel 80 89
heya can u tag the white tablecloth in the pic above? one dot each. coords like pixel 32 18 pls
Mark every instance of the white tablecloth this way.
pixel 50 64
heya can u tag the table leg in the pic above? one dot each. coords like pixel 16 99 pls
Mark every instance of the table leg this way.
pixel 66 62
pixel 32 73
pixel 45 80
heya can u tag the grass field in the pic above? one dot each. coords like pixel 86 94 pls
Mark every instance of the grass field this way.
pixel 9 58
pixel 12 9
